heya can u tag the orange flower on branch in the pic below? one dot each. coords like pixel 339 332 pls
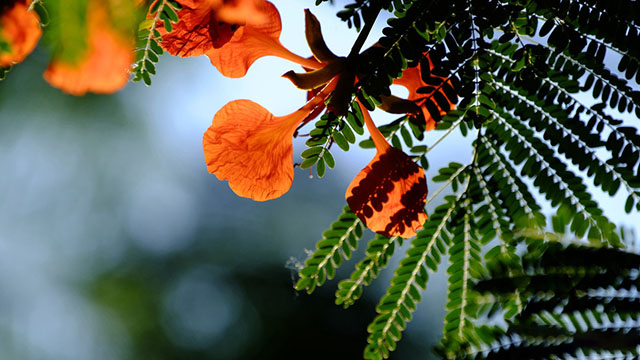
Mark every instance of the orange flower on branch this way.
pixel 252 149
pixel 104 67
pixel 19 31
pixel 389 194
pixel 233 34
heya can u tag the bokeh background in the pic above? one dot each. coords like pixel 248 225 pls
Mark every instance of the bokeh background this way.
pixel 115 242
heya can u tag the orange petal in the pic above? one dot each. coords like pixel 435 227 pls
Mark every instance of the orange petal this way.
pixel 19 32
pixel 233 34
pixel 412 80
pixel 242 11
pixel 389 194
pixel 196 31
pixel 251 42
pixel 103 69
pixel 252 149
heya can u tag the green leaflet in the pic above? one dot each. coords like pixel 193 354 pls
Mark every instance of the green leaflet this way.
pixel 148 47
pixel 337 243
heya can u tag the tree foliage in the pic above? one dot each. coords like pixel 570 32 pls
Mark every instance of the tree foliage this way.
pixel 582 301
pixel 533 88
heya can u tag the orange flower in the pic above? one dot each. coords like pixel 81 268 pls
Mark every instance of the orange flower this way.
pixel 252 149
pixel 19 32
pixel 389 194
pixel 412 79
pixel 233 34
pixel 104 68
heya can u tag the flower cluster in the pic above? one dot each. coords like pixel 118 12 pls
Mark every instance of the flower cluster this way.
pixel 245 144
pixel 252 149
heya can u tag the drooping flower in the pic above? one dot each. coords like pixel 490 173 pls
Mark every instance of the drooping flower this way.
pixel 233 34
pixel 104 67
pixel 252 149
pixel 412 79
pixel 19 32
pixel 389 194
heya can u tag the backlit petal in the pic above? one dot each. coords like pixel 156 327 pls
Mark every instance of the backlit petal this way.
pixel 252 149
pixel 412 80
pixel 389 194
pixel 19 31
pixel 251 42
pixel 105 66
pixel 197 30
pixel 243 11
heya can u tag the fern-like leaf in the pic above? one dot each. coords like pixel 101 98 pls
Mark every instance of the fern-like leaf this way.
pixel 337 243
pixel 378 252
pixel 148 45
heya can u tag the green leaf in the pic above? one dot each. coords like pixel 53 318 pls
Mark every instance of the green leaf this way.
pixel 340 140
pixel 320 167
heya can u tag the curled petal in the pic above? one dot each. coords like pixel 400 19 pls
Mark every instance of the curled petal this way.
pixel 313 33
pixel 310 95
pixel 395 105
pixel 19 33
pixel 317 110
pixel 389 194
pixel 315 78
pixel 105 66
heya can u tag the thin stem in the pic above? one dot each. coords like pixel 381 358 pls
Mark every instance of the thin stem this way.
pixel 453 127
pixel 362 37
pixel 377 137
pixel 453 177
